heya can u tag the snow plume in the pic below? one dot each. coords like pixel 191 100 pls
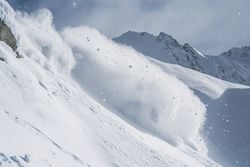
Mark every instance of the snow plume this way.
pixel 40 41
pixel 125 80
pixel 122 79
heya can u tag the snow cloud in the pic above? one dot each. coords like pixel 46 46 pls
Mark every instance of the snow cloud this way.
pixel 122 79
pixel 212 26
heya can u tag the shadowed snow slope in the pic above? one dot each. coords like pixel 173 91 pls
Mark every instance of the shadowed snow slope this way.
pixel 125 112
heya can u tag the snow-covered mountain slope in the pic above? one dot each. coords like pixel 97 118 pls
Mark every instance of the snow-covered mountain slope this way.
pixel 52 121
pixel 206 84
pixel 78 99
pixel 231 66
pixel 227 114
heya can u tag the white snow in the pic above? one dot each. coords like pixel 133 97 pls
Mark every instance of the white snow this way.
pixel 227 111
pixel 79 99
pixel 227 103
pixel 40 41
pixel 139 90
pixel 206 84
pixel 232 66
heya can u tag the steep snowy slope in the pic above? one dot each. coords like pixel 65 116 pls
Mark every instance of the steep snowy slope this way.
pixel 231 66
pixel 78 99
pixel 49 119
pixel 226 124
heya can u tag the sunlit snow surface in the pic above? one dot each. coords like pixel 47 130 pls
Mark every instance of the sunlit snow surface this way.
pixel 79 99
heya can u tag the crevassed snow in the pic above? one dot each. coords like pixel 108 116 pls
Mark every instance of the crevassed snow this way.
pixel 49 119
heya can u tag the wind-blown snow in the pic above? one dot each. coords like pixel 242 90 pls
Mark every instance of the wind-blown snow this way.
pixel 227 114
pixel 40 41
pixel 130 84
pixel 227 103
pixel 78 99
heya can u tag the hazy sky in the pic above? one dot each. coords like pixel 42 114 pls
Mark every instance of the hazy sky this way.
pixel 211 26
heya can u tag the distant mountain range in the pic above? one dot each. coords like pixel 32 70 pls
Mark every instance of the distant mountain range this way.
pixel 232 65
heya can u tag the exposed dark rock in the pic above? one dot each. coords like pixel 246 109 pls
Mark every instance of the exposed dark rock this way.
pixel 40 83
pixel 2 59
pixel 18 55
pixel 26 158
pixel 7 36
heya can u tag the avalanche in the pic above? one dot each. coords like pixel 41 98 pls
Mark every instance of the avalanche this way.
pixel 79 99
pixel 227 103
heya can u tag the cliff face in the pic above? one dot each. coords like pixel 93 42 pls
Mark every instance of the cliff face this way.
pixel 8 33
pixel 7 36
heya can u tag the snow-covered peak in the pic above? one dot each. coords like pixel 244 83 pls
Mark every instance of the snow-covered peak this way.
pixel 241 55
pixel 162 47
pixel 232 65
pixel 243 52
pixel 163 38
pixel 168 40
pixel 136 34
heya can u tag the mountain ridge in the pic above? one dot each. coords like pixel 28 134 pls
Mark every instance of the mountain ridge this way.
pixel 167 49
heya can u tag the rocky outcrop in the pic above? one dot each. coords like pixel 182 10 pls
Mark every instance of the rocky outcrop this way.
pixel 7 36
pixel 8 33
